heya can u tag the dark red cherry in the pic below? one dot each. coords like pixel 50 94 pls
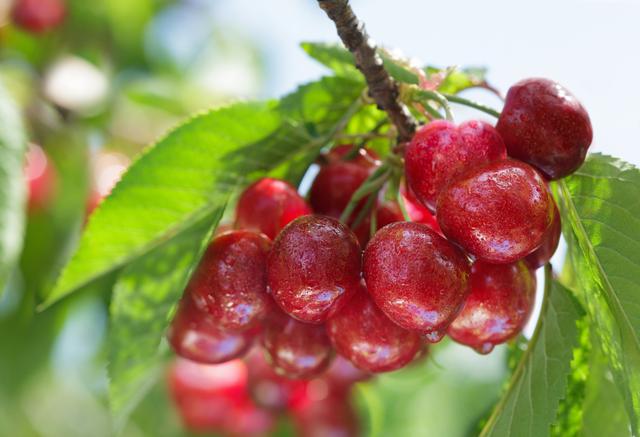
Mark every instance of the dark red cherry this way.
pixel 363 157
pixel 543 124
pixel 498 212
pixel 42 179
pixel 550 240
pixel 416 277
pixel 364 335
pixel 195 335
pixel 295 349
pixel 231 281
pixel 313 267
pixel 500 303
pixel 440 151
pixel 38 15
pixel 334 185
pixel 267 388
pixel 268 205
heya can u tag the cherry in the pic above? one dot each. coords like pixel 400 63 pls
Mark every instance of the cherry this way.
pixel 543 124
pixel 500 303
pixel 550 240
pixel 416 211
pixel 364 335
pixel 313 267
pixel 267 388
pixel 334 185
pixel 268 205
pixel 342 374
pixel 498 212
pixel 363 157
pixel 440 151
pixel 38 15
pixel 42 179
pixel 194 335
pixel 325 416
pixel 295 349
pixel 416 277
pixel 231 281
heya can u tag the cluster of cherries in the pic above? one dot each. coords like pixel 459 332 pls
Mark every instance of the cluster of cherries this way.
pixel 246 397
pixel 295 279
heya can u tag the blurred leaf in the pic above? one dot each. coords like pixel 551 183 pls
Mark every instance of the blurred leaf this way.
pixel 341 62
pixel 571 408
pixel 12 185
pixel 528 407
pixel 143 298
pixel 600 206
pixel 196 167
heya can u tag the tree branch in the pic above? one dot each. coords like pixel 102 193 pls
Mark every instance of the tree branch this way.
pixel 382 88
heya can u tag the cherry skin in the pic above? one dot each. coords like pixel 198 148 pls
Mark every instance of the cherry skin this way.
pixel 194 335
pixel 363 334
pixel 330 415
pixel 500 303
pixel 440 151
pixel 364 157
pixel 543 124
pixel 38 16
pixel 42 179
pixel 313 267
pixel 294 349
pixel 416 277
pixel 550 240
pixel 342 374
pixel 498 212
pixel 230 283
pixel 268 205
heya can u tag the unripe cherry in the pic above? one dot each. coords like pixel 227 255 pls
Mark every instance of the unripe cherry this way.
pixel 543 124
pixel 498 212
pixel 361 332
pixel 416 277
pixel 268 205
pixel 194 335
pixel 550 240
pixel 501 300
pixel 230 283
pixel 440 151
pixel 313 267
pixel 295 349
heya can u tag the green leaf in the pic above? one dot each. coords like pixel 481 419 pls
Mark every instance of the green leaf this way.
pixel 600 206
pixel 195 169
pixel 12 185
pixel 144 296
pixel 340 61
pixel 528 407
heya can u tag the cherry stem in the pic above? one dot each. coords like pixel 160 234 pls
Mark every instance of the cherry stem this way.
pixel 382 88
pixel 371 185
pixel 368 207
pixel 403 206
pixel 470 103
pixel 429 95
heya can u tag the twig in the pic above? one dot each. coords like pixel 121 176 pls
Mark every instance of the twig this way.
pixel 382 88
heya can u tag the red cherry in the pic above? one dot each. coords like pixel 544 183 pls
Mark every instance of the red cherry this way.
pixel 328 416
pixel 498 212
pixel 42 179
pixel 334 185
pixel 38 15
pixel 342 374
pixel 194 335
pixel 500 303
pixel 364 335
pixel 268 205
pixel 543 124
pixel 203 393
pixel 440 151
pixel 416 277
pixel 550 240
pixel 313 267
pixel 364 157
pixel 231 281
pixel 295 349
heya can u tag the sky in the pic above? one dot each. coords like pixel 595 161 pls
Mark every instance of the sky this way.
pixel 586 45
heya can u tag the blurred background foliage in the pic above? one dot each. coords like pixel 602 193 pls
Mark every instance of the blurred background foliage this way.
pixel 94 92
